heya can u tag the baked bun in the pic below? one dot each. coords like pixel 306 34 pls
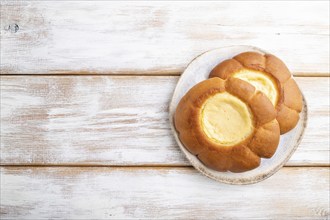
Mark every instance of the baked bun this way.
pixel 270 76
pixel 227 124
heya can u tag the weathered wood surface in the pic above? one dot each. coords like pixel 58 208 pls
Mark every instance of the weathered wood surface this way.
pixel 115 120
pixel 156 38
pixel 82 121
pixel 166 193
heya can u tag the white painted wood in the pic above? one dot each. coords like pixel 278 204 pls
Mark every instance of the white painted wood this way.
pixel 156 37
pixel 116 120
pixel 199 70
pixel 123 121
pixel 164 193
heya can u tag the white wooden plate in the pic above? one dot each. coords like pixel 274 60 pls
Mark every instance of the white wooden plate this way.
pixel 198 70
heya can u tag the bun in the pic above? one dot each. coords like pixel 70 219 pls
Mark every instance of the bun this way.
pixel 270 76
pixel 248 129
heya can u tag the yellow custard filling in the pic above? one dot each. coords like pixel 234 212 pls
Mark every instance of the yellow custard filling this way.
pixel 261 82
pixel 226 119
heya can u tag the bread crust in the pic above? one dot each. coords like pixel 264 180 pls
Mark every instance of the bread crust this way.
pixel 290 97
pixel 239 157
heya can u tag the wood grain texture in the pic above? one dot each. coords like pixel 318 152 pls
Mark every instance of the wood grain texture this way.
pixel 156 37
pixel 166 193
pixel 115 120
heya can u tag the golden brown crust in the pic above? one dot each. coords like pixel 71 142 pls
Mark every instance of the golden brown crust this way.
pixel 289 93
pixel 252 60
pixel 277 68
pixel 292 95
pixel 236 158
pixel 226 68
pixel 262 108
pixel 186 108
pixel 244 159
pixel 287 118
pixel 266 139
pixel 240 88
pixel 216 160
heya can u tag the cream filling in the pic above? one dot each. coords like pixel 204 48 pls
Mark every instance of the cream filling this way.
pixel 261 82
pixel 226 120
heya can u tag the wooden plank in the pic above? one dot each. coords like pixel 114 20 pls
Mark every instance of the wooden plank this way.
pixel 116 120
pixel 166 193
pixel 146 37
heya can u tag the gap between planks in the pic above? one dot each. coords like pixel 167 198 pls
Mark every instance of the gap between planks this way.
pixel 165 73
pixel 165 166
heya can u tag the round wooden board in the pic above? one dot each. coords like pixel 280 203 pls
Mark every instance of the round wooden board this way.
pixel 197 71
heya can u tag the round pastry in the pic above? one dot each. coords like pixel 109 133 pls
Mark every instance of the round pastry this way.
pixel 227 124
pixel 271 76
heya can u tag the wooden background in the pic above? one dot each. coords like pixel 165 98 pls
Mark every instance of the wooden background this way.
pixel 85 89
